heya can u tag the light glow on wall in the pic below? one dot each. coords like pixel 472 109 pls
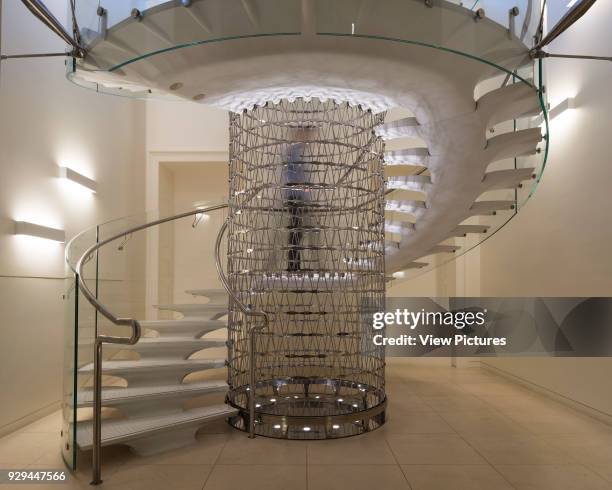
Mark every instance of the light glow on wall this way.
pixel 39 231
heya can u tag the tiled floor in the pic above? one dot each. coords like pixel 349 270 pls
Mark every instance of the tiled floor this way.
pixel 448 428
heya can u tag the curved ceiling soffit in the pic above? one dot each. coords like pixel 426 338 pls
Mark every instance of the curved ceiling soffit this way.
pixel 436 85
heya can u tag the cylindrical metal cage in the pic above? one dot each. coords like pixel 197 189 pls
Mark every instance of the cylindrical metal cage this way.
pixel 306 246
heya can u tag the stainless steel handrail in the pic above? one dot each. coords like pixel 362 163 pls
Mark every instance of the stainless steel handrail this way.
pixel 254 330
pixel 131 322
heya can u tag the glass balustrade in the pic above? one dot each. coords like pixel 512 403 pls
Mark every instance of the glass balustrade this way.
pixel 121 33
pixel 131 276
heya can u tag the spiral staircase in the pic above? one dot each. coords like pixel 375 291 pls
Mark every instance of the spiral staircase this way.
pixel 154 397
pixel 465 152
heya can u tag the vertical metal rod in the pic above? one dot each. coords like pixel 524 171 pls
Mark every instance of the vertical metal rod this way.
pixel 97 414
pixel 248 312
pixel 252 386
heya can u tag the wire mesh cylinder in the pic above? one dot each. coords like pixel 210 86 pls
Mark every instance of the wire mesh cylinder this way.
pixel 306 246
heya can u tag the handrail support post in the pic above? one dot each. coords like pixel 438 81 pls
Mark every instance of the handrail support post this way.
pixel 97 415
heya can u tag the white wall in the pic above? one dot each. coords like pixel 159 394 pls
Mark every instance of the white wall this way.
pixel 45 121
pixel 194 266
pixel 559 243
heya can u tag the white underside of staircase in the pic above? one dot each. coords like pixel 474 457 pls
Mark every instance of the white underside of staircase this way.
pixel 382 64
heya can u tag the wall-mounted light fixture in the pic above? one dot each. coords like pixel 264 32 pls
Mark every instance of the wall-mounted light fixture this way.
pixel 200 217
pixel 569 103
pixel 39 231
pixel 76 178
pixel 563 106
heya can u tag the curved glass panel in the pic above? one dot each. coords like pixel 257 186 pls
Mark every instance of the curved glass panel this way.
pixel 119 33
pixel 130 276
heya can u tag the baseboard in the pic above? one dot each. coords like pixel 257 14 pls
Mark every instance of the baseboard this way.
pixel 28 419
pixel 461 362
pixel 558 397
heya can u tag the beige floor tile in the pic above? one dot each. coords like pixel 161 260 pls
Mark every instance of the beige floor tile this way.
pixel 557 477
pixel 24 448
pixel 425 388
pixel 257 477
pixel 455 477
pixel 484 423
pixel 400 423
pixel 455 402
pixel 405 402
pixel 205 451
pixel 495 387
pixel 369 449
pixel 528 402
pixel 112 458
pixel 51 424
pixel 179 477
pixel 603 470
pixel 521 449
pixel 362 477
pixel 41 486
pixel 433 449
pixel 241 450
pixel 587 450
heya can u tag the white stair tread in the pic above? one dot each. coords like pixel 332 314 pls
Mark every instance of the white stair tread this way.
pixel 216 296
pixel 117 431
pixel 204 324
pixel 154 364
pixel 146 343
pixel 206 308
pixel 119 395
pixel 152 342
